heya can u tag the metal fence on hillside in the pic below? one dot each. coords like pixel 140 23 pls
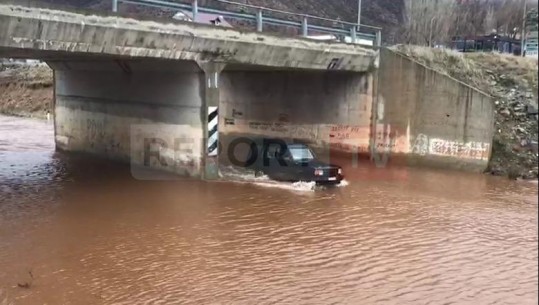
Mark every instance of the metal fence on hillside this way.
pixel 307 25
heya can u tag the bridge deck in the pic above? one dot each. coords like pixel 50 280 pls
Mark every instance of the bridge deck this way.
pixel 33 32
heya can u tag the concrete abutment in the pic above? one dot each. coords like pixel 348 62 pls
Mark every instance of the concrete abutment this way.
pixel 426 118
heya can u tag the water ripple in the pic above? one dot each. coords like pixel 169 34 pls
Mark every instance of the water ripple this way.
pixel 91 234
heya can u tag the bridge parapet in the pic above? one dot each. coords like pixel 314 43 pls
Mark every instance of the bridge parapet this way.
pixel 260 16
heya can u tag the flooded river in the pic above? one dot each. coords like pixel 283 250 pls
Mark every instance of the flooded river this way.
pixel 77 230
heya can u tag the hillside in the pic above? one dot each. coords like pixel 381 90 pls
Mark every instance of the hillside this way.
pixel 383 13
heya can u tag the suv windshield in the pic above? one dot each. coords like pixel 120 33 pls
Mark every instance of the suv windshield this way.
pixel 301 153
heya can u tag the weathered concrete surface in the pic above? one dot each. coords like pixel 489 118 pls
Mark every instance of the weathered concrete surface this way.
pixel 329 110
pixel 35 32
pixel 146 112
pixel 430 118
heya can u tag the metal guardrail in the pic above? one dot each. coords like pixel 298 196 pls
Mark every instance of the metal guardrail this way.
pixel 262 17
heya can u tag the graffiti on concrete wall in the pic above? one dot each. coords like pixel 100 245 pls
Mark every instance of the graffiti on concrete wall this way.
pixel 237 113
pixel 421 145
pixel 350 138
pixel 283 129
pixel 268 126
pixel 95 129
pixel 335 63
pixel 344 132
pixel 385 140
pixel 341 137
pixel 424 145
pixel 359 139
pixel 472 150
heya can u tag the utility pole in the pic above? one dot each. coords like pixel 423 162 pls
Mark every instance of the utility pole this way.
pixel 523 33
pixel 430 32
pixel 358 14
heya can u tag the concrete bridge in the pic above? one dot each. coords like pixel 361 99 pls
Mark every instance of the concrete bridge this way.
pixel 126 87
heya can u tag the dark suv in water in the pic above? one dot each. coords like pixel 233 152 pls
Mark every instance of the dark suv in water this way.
pixel 285 161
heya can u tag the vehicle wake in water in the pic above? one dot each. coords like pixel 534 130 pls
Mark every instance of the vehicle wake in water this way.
pixel 242 175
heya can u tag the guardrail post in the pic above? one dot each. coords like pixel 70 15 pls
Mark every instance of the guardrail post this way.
pixel 353 34
pixel 259 21
pixel 304 27
pixel 379 38
pixel 195 10
pixel 115 6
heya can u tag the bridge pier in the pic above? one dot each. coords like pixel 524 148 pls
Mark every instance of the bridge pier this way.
pixel 210 108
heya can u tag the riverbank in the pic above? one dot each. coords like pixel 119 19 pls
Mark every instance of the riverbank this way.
pixel 26 90
pixel 513 83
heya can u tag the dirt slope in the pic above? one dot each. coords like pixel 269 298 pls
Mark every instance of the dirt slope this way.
pixel 26 91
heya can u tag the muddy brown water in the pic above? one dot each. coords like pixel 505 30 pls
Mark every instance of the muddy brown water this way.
pixel 80 230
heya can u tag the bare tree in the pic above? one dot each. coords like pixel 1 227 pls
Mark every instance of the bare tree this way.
pixel 491 23
pixel 427 21
pixel 439 20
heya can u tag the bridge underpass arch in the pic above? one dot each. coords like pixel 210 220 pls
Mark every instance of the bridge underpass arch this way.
pixel 143 111
pixel 331 111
